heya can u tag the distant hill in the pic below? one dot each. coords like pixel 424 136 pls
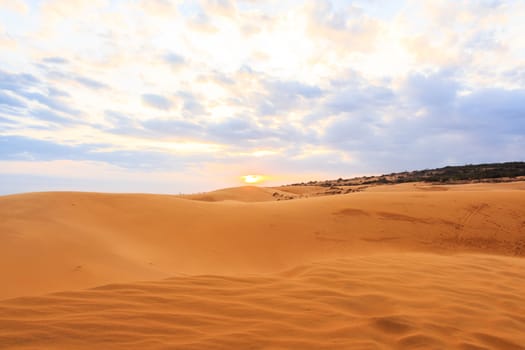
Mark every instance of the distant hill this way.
pixel 494 172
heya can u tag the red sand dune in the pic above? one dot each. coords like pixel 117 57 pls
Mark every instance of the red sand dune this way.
pixel 393 267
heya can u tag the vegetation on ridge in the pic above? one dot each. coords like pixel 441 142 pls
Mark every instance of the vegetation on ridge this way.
pixel 493 172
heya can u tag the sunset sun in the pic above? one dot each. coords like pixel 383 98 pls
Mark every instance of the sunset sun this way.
pixel 252 179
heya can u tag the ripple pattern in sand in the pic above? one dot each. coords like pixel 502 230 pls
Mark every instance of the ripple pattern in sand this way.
pixel 404 301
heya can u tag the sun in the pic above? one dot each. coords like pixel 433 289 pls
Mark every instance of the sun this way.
pixel 252 179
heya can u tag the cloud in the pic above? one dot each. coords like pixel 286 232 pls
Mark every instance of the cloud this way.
pixel 55 60
pixel 201 22
pixel 191 105
pixel 294 88
pixel 429 52
pixel 89 83
pixel 59 9
pixel 7 123
pixel 156 101
pixel 28 103
pixel 12 101
pixel 281 96
pixel 121 123
pixel 16 82
pixel 51 102
pixel 50 116
pixel 23 175
pixel 14 5
pixel 54 92
pixel 6 40
pixel 350 132
pixel 24 88
pixel 174 128
pixel 68 76
pixel 160 8
pixel 355 97
pixel 238 130
pixel 394 134
pixel 347 29
pixel 225 8
pixel 12 146
pixel 515 76
pixel 484 40
pixel 173 59
pixel 433 91
pixel 498 112
pixel 24 148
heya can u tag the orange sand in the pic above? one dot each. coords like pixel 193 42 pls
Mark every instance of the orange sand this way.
pixel 403 267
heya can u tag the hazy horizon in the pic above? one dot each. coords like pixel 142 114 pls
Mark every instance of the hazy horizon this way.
pixel 168 96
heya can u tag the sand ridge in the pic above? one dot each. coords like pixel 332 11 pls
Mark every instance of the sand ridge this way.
pixel 243 193
pixel 261 194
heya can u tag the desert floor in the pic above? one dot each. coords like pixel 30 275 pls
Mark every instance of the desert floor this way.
pixel 409 266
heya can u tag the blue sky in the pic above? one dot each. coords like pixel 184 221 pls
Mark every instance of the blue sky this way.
pixel 184 96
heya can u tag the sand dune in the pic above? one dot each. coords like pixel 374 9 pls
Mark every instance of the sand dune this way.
pixel 409 301
pixel 258 194
pixel 263 194
pixel 243 194
pixel 383 268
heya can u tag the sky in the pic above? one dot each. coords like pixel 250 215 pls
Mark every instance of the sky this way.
pixel 166 96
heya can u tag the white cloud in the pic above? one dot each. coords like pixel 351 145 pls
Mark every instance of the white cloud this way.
pixel 14 5
pixel 160 8
pixel 6 42
pixel 225 8
pixel 100 176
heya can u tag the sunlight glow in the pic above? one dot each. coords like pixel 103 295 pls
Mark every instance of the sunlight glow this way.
pixel 252 179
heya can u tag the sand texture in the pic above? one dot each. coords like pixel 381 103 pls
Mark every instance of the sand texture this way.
pixel 399 267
